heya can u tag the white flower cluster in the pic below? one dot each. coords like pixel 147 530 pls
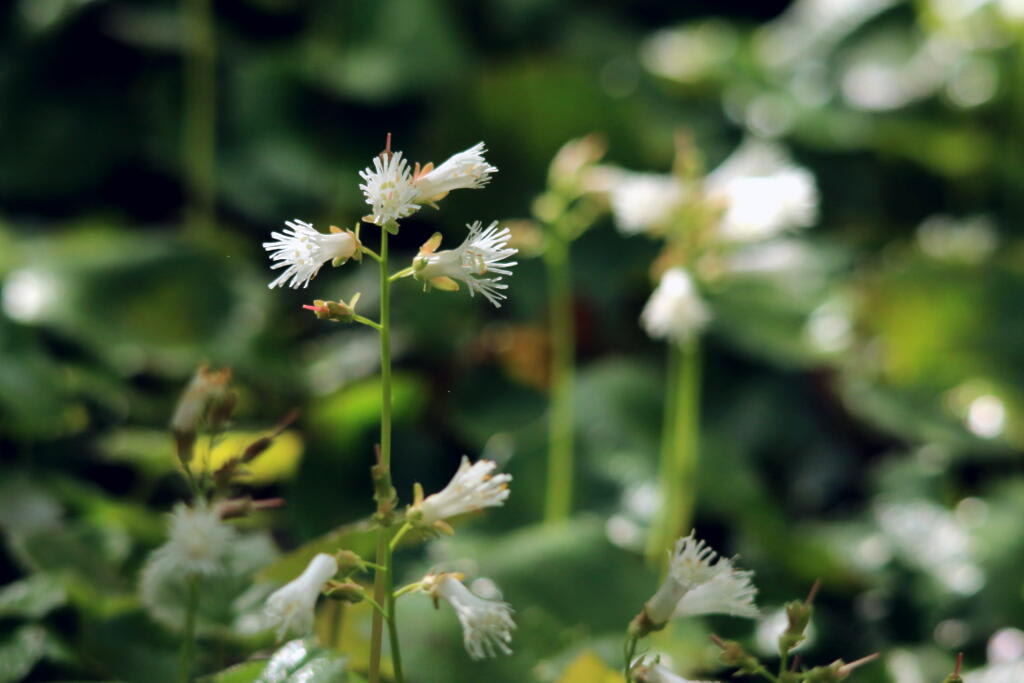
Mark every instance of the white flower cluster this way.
pixel 701 582
pixel 487 625
pixel 395 191
pixel 291 607
pixel 197 541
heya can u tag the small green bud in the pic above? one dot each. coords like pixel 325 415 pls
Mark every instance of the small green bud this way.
pixel 345 591
pixel 734 655
pixel 349 562
pixel 798 615
pixel 335 311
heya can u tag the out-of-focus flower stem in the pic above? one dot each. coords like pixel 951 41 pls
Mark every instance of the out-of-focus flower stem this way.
pixel 186 658
pixel 558 498
pixel 677 472
pixel 200 115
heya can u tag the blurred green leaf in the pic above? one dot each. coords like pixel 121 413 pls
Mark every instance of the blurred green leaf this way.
pixel 32 597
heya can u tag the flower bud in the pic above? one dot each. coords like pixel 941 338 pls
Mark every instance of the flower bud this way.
pixel 206 400
pixel 798 614
pixel 345 591
pixel 733 654
pixel 335 311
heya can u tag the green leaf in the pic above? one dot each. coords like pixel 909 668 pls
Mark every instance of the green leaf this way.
pixel 33 597
pixel 21 652
pixel 297 661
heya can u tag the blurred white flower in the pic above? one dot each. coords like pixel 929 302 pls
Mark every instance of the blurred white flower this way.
pixel 763 193
pixel 675 310
pixel 487 625
pixel 301 250
pixel 197 542
pixel 466 170
pixel 389 189
pixel 291 607
pixel 701 582
pixel 640 202
pixel 653 672
pixel 472 488
pixel 482 252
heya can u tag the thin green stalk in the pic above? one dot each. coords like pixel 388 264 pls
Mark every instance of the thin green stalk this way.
pixel 630 655
pixel 558 498
pixel 186 658
pixel 396 650
pixel 199 124
pixel 382 471
pixel 677 471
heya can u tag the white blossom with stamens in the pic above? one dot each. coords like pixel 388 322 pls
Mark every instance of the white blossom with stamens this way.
pixel 487 625
pixel 763 193
pixel 653 672
pixel 483 252
pixel 197 543
pixel 389 189
pixel 701 582
pixel 291 607
pixel 466 170
pixel 474 487
pixel 302 250
pixel 675 310
pixel 640 202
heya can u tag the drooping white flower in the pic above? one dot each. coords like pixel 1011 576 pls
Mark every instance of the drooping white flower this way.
pixel 640 202
pixel 301 250
pixel 483 252
pixel 473 487
pixel 653 672
pixel 763 193
pixel 466 170
pixel 675 310
pixel 700 582
pixel 389 189
pixel 197 541
pixel 487 625
pixel 291 606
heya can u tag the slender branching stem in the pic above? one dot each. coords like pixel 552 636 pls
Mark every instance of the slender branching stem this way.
pixel 404 272
pixel 382 470
pixel 558 498
pixel 397 538
pixel 366 321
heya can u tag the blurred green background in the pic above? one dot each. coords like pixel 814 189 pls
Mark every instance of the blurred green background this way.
pixel 862 411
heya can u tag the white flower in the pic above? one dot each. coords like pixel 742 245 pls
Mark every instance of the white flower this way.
pixel 763 193
pixel 482 252
pixel 675 310
pixel 466 170
pixel 301 250
pixel 291 606
pixel 472 488
pixel 653 672
pixel 701 582
pixel 487 625
pixel 639 201
pixel 197 541
pixel 389 189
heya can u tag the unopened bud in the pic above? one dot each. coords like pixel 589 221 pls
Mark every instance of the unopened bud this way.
pixel 206 399
pixel 345 591
pixel 335 311
pixel 798 615
pixel 734 655
pixel 573 157
pixel 349 562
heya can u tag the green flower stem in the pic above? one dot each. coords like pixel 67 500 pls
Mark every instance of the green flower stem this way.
pixel 629 655
pixel 404 590
pixel 677 473
pixel 186 658
pixel 398 537
pixel 558 498
pixel 199 124
pixel 404 272
pixel 396 650
pixel 366 321
pixel 382 470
